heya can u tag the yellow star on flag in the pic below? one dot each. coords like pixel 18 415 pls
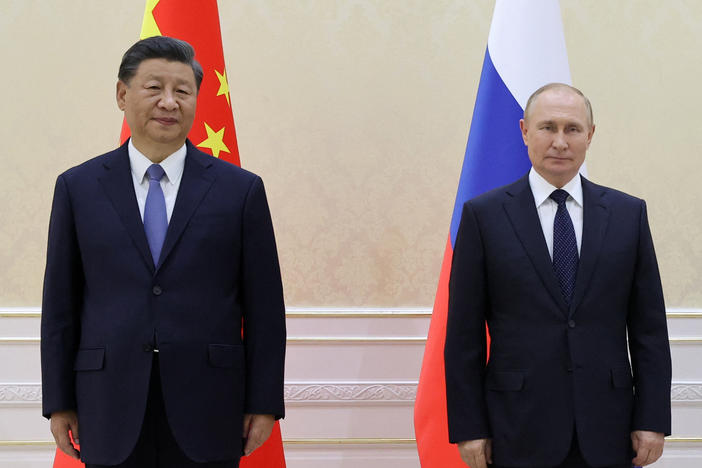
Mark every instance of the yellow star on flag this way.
pixel 149 28
pixel 223 85
pixel 214 141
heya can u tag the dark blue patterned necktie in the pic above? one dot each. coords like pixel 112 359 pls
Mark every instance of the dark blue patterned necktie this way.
pixel 155 217
pixel 565 247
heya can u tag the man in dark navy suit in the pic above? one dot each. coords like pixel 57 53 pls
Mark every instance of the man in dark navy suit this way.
pixel 158 254
pixel 565 275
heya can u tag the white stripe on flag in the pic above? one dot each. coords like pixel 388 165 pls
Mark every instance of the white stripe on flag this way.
pixel 527 45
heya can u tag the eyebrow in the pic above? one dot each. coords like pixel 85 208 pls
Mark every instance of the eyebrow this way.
pixel 553 122
pixel 157 77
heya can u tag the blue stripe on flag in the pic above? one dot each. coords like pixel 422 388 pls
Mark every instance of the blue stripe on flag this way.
pixel 495 154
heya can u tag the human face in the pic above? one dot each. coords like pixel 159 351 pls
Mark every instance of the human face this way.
pixel 557 134
pixel 159 105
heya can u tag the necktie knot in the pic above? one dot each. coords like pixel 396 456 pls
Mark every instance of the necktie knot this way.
pixel 559 196
pixel 155 172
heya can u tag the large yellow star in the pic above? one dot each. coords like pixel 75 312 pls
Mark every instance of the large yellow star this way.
pixel 223 85
pixel 149 28
pixel 214 141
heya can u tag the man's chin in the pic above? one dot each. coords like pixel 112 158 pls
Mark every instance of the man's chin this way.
pixel 168 138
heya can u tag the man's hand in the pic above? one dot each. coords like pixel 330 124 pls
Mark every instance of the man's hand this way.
pixel 476 453
pixel 61 423
pixel 648 447
pixel 257 428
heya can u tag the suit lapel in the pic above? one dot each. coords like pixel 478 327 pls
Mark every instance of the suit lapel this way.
pixel 521 209
pixel 118 184
pixel 194 185
pixel 595 220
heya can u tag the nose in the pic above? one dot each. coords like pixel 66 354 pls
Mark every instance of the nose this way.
pixel 559 141
pixel 168 101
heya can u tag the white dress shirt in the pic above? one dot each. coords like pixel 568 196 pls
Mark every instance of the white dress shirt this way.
pixel 546 207
pixel 173 166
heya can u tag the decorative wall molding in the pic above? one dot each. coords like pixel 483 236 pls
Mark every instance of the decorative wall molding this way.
pixel 686 392
pixel 350 391
pixel 341 312
pixel 325 441
pixel 318 392
pixel 358 312
pixel 319 340
pixel 20 393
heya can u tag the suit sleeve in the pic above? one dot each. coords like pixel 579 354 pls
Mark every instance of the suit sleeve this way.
pixel 648 339
pixel 61 305
pixel 465 350
pixel 264 309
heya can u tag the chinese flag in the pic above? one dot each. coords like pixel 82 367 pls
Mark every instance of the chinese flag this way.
pixel 197 22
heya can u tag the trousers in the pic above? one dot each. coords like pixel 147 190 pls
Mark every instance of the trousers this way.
pixel 156 446
pixel 574 459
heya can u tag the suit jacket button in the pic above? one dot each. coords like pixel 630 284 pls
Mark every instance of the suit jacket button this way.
pixel 157 290
pixel 571 323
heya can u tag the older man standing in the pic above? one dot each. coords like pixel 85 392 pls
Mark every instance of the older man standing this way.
pixel 157 254
pixel 563 271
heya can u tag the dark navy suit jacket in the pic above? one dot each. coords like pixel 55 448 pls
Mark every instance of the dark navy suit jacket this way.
pixel 553 368
pixel 106 306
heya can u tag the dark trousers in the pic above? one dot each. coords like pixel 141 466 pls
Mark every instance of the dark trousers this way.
pixel 574 459
pixel 156 447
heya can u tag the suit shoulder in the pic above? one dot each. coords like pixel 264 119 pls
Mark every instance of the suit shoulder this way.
pixel 91 165
pixel 230 174
pixel 498 195
pixel 612 195
pixel 228 169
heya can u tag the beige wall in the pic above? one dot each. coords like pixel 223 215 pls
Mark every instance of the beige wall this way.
pixel 356 114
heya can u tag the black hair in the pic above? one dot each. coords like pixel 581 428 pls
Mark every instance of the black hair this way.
pixel 164 47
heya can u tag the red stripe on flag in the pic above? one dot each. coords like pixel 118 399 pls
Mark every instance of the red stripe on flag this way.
pixel 430 419
pixel 430 415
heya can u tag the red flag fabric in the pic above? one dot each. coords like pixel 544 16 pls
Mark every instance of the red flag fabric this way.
pixel 198 23
pixel 430 417
pixel 213 132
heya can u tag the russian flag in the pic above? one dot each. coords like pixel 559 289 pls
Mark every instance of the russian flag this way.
pixel 526 50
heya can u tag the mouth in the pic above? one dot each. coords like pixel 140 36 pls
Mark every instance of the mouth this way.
pixel 166 120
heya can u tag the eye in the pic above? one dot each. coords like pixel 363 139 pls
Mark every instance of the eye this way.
pixel 183 91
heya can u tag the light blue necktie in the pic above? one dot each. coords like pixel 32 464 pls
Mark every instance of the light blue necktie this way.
pixel 155 218
pixel 565 247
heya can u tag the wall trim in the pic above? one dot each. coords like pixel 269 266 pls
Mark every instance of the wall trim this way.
pixel 332 392
pixel 356 339
pixel 686 392
pixel 350 391
pixel 325 441
pixel 20 393
pixel 688 340
pixel 350 312
pixel 290 339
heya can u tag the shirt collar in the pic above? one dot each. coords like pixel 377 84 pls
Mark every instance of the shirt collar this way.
pixel 542 189
pixel 173 165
